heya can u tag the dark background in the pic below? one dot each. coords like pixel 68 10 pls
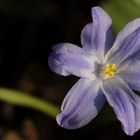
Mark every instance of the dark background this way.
pixel 28 30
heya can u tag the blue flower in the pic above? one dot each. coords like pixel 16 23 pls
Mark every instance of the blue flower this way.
pixel 108 69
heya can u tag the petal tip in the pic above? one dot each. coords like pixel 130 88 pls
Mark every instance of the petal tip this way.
pixel 130 133
pixel 100 12
pixel 96 8
pixel 65 122
pixel 58 120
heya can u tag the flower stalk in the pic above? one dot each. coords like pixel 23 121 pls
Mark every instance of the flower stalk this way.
pixel 23 99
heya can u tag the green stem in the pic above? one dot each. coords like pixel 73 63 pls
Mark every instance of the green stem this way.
pixel 23 99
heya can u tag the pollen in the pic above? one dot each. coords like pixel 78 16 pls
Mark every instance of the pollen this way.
pixel 110 70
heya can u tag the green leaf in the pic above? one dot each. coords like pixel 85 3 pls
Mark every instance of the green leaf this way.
pixel 122 12
pixel 23 99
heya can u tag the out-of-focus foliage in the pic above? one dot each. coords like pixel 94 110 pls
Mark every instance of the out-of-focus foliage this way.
pixel 122 11
pixel 23 99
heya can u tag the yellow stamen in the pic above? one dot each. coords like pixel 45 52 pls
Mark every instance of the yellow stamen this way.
pixel 110 70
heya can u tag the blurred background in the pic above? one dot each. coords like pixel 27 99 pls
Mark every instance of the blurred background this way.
pixel 28 30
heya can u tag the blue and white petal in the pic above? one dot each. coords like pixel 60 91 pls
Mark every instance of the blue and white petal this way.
pixel 126 47
pixel 98 35
pixel 124 102
pixel 82 104
pixel 69 59
pixel 132 79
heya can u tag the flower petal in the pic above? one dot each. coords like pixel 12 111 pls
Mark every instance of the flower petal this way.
pixel 98 35
pixel 82 104
pixel 126 45
pixel 124 102
pixel 69 59
pixel 132 79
